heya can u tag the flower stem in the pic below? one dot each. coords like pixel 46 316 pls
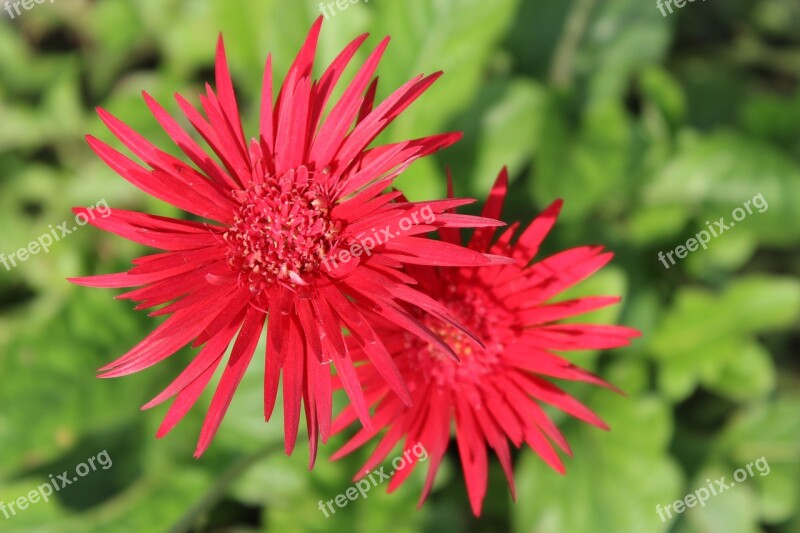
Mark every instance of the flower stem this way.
pixel 564 58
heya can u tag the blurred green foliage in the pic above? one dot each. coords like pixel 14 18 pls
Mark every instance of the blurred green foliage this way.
pixel 646 125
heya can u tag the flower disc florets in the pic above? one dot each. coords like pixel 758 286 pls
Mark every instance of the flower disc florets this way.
pixel 282 231
pixel 472 308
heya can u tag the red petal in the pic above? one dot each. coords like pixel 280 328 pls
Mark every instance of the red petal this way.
pixel 280 309
pixel 227 97
pixel 238 362
pixel 528 244
pixel 329 137
pixel 159 184
pixel 420 251
pixel 494 205
pixel 188 145
pixel 327 82
pixel 267 121
pixel 473 455
pixel 293 366
pixel 152 231
pixel 209 357
pixel 568 308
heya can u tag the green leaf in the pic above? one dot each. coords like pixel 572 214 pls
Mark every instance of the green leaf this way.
pixel 714 175
pixel 732 510
pixel 656 224
pixel 588 166
pixel 661 89
pixel 596 493
pixel 749 305
pixel 750 374
pixel 622 38
pixel 708 338
pixel 510 133
pixel 457 37
pixel 767 433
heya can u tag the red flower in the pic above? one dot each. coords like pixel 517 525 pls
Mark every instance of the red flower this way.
pixel 281 210
pixel 494 393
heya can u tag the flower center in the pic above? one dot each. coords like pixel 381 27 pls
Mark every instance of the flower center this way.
pixel 282 231
pixel 484 318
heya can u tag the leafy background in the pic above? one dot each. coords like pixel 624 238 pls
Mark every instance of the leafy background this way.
pixel 646 125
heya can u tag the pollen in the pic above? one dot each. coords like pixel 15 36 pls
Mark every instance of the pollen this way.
pixel 282 231
pixel 475 362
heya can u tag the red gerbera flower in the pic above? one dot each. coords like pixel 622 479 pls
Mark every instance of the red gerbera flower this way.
pixel 283 213
pixel 494 393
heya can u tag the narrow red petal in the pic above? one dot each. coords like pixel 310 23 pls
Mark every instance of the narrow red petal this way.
pixel 238 361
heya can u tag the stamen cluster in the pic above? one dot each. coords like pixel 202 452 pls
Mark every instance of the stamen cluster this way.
pixel 282 231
